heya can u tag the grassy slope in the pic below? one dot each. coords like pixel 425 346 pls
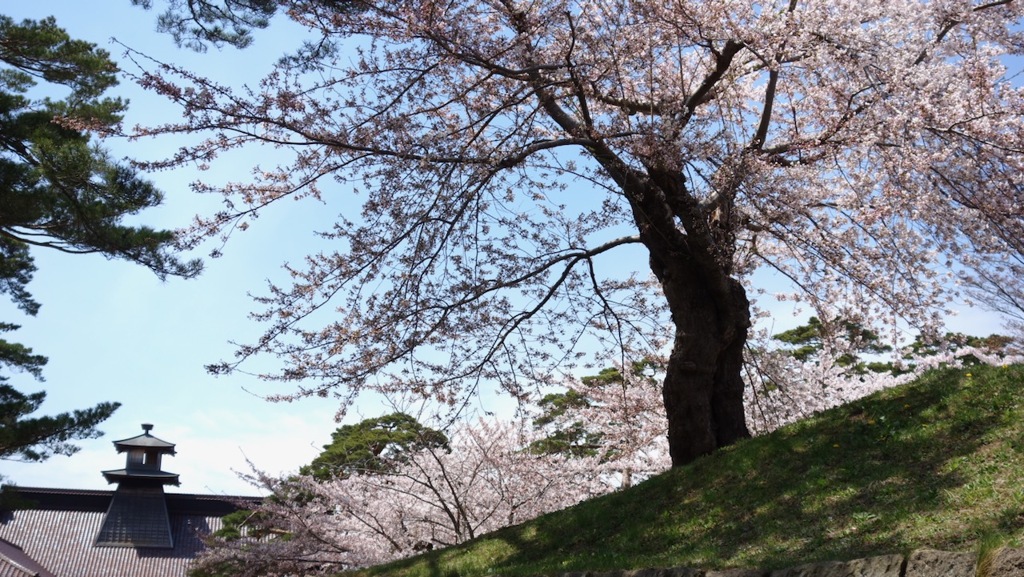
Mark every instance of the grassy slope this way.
pixel 938 463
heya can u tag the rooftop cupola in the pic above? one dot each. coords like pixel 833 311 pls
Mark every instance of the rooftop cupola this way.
pixel 137 515
pixel 144 455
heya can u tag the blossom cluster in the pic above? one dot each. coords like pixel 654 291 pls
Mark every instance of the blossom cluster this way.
pixel 436 498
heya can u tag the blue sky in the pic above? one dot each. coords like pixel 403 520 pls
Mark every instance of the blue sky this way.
pixel 113 331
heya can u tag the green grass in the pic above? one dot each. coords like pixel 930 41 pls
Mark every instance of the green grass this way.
pixel 938 463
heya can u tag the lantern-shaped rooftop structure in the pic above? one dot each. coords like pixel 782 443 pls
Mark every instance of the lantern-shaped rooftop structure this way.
pixel 137 516
pixel 143 462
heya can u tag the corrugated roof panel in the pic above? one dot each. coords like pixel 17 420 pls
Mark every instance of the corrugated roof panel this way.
pixel 62 542
pixel 11 569
pixel 15 563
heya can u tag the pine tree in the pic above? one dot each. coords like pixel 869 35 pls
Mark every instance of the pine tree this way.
pixel 373 446
pixel 60 190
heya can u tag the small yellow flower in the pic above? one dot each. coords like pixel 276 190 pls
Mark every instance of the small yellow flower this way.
pixel 836 446
pixel 969 375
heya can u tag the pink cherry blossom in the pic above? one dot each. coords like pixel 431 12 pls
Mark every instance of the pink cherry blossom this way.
pixel 546 182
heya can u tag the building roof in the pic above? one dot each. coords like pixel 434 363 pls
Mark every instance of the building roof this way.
pixel 15 563
pixel 163 477
pixel 58 529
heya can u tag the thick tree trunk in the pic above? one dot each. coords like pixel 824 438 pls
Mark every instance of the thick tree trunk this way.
pixel 692 243
pixel 691 246
pixel 703 387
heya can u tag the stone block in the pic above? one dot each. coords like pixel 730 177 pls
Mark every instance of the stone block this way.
pixel 738 573
pixel 646 573
pixel 932 563
pixel 882 566
pixel 1006 562
pixel 683 572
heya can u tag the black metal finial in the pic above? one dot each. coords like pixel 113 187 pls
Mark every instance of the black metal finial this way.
pixel 147 427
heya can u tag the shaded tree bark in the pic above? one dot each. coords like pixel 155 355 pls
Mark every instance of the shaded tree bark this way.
pixel 703 389
pixel 691 256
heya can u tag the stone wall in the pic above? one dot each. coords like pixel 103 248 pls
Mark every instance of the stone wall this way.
pixel 1005 562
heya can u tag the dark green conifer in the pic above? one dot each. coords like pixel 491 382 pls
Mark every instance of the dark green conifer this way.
pixel 60 190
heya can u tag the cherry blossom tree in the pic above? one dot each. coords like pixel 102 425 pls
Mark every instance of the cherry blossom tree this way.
pixel 546 179
pixel 1000 286
pixel 787 384
pixel 616 418
pixel 434 498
